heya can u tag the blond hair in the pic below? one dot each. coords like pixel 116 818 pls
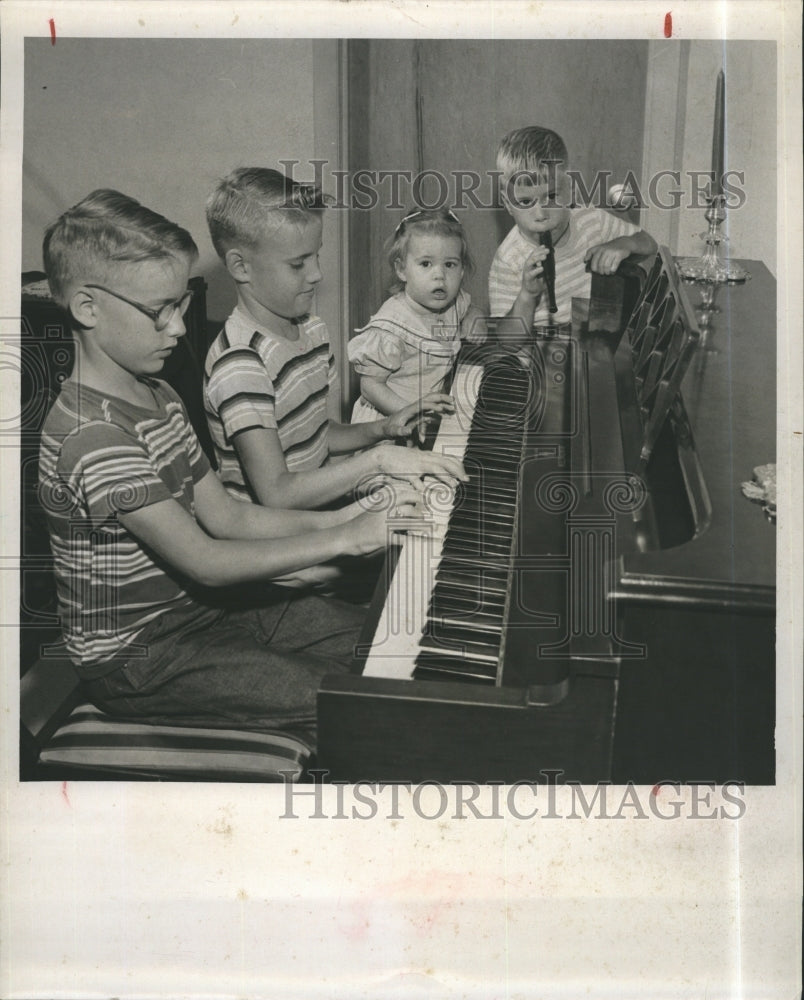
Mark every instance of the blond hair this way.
pixel 240 207
pixel 533 149
pixel 103 230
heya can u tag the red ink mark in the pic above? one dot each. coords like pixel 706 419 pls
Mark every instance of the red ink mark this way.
pixel 655 790
pixel 52 24
pixel 668 25
pixel 64 794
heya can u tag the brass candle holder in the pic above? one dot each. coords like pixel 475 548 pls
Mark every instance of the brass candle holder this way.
pixel 710 267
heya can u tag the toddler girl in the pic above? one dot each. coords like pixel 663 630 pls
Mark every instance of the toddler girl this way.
pixel 407 349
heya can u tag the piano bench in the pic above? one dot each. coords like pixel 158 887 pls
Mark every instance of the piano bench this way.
pixel 66 737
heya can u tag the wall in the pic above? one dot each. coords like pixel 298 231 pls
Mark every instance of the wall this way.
pixel 162 119
pixel 678 134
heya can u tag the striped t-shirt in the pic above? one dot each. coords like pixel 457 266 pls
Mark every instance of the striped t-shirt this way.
pixel 254 378
pixel 587 228
pixel 101 457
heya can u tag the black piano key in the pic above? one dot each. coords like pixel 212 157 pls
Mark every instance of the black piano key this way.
pixel 436 673
pixel 496 516
pixel 431 660
pixel 490 583
pixel 459 599
pixel 465 559
pixel 441 620
pixel 497 523
pixel 479 492
pixel 493 531
pixel 459 545
pixel 502 504
pixel 461 641
pixel 462 606
pixel 484 497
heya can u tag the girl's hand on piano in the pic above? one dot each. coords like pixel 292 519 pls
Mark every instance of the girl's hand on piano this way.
pixel 404 422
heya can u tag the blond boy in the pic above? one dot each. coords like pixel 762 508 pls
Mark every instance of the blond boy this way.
pixel 537 193
pixel 270 373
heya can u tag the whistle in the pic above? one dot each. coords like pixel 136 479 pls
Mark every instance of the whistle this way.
pixel 549 270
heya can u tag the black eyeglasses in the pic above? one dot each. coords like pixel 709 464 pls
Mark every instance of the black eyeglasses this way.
pixel 159 317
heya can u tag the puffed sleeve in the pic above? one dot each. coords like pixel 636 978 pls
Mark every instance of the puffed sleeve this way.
pixel 376 352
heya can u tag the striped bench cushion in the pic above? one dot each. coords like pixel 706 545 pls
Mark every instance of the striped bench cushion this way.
pixel 90 739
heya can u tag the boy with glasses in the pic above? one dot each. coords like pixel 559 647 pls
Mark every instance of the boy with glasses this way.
pixel 143 534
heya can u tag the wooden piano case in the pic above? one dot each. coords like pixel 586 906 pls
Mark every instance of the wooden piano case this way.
pixel 639 638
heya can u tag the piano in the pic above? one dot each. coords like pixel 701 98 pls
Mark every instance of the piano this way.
pixel 597 603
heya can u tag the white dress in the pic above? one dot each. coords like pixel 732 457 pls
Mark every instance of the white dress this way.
pixel 411 355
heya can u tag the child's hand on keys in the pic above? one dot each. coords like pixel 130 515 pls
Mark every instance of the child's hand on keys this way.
pixel 380 515
pixel 390 510
pixel 533 273
pixel 410 418
pixel 435 501
pixel 414 465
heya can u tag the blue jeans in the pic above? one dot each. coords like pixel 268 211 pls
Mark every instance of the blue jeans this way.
pixel 258 668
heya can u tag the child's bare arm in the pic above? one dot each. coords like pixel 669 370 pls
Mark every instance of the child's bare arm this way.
pixel 399 423
pixel 263 547
pixel 224 517
pixel 377 392
pixel 607 257
pixel 263 461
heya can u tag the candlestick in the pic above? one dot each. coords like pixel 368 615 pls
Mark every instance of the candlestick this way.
pixel 711 268
pixel 719 136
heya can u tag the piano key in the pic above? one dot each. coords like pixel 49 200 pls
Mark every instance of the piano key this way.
pixel 458 663
pixel 447 672
pixel 461 641
pixel 474 621
pixel 464 602
pixel 457 545
pixel 455 599
pixel 491 529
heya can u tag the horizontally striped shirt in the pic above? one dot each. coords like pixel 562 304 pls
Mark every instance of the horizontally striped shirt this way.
pixel 254 378
pixel 101 457
pixel 588 227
